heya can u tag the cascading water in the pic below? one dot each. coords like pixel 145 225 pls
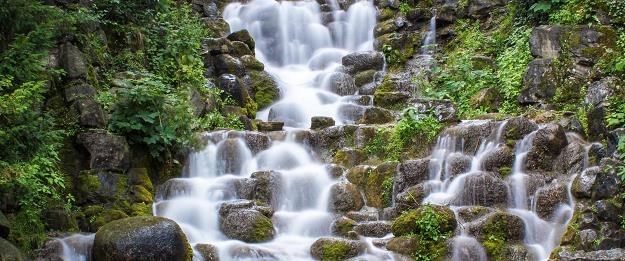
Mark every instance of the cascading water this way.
pixel 302 52
pixel 446 188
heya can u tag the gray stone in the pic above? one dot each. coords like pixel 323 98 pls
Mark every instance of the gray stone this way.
pixel 354 248
pixel 320 122
pixel 90 113
pixel 247 225
pixel 361 61
pixel 342 84
pixel 345 197
pixel 549 198
pixel 106 151
pixel 483 189
pixel 410 173
pixel 540 82
pixel 373 228
pixel 73 61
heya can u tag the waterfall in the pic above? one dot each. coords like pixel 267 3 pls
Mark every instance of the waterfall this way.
pixel 301 52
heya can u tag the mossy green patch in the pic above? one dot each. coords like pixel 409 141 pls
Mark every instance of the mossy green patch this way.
pixel 335 251
pixel 262 230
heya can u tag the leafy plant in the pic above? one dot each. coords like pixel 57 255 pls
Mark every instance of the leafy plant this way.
pixel 404 7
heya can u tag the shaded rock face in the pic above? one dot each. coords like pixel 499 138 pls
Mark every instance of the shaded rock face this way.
pixel 373 228
pixel 411 197
pixel 245 221
pixel 516 128
pixel 362 61
pixel 141 238
pixel 540 81
pixel 73 61
pixel 597 99
pixel 341 84
pixel 482 8
pixel 549 198
pixel 10 252
pixel 605 255
pixel 470 134
pixel 546 146
pixel 410 173
pixel 106 151
pixel 509 226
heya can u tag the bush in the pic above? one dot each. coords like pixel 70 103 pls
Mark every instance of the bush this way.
pixel 151 113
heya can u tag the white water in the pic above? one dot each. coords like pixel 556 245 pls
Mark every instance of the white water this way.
pixel 76 247
pixel 302 53
pixel 541 236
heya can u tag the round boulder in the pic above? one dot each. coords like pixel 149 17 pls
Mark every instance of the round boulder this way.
pixel 248 225
pixel 141 238
pixel 336 249
pixel 344 197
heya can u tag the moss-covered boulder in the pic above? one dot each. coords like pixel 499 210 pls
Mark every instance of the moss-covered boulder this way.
pixel 349 157
pixel 248 225
pixel 336 249
pixel 264 88
pixel 406 245
pixel 497 231
pixel 342 226
pixel 358 175
pixel 141 238
pixel 379 187
pixel 208 252
pixel 407 223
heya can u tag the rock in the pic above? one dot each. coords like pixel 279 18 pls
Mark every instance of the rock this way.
pixel 250 62
pixel 106 151
pixel 264 88
pixel 545 41
pixel 73 61
pixel 216 46
pixel 344 197
pixel 517 128
pixel 361 61
pixel 234 87
pixel 358 175
pixel 90 113
pixel 247 252
pixel 208 252
pixel 607 211
pixel 373 228
pixel 390 100
pixel 546 146
pixel 364 77
pixel 270 126
pixel 505 226
pixel 411 197
pixel 5 226
pixel 482 8
pixel 230 154
pixel 327 248
pixel 472 213
pixel 483 189
pixel 320 122
pixel 501 157
pixel 243 36
pixel 232 206
pixel 376 192
pixel 248 225
pixel 488 98
pixel 600 255
pixel 410 173
pixel 256 141
pixel 571 159
pixel 364 135
pixel 335 171
pixel 9 252
pixel 240 49
pixel 443 110
pixel 57 218
pixel 597 99
pixel 549 198
pixel 226 64
pixel 606 184
pixel 540 82
pixel 375 115
pixel 351 113
pixel 405 245
pixel 333 138
pixel 583 183
pixel 406 223
pixel 348 157
pixel 518 252
pixel 341 84
pixel 289 113
pixel 472 133
pixel 141 238
pixel 457 163
pixel 342 226
pixel 77 91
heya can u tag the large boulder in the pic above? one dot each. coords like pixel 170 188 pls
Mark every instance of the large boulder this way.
pixel 516 128
pixel 482 8
pixel 141 238
pixel 549 198
pixel 377 194
pixel 546 146
pixel 243 36
pixel 336 249
pixel 373 228
pixel 571 159
pixel 362 61
pixel 597 99
pixel 484 189
pixel 73 61
pixel 498 159
pixel 227 64
pixel 264 88
pixel 106 151
pixel 248 225
pixel 410 173
pixel 540 82
pixel 406 245
pixel 470 134
pixel 375 115
pixel 344 197
pixel 341 83
pixel 411 197
pixel 583 183
pixel 90 113
pixel 234 87
pixel 501 225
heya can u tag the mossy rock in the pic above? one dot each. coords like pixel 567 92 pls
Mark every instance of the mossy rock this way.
pixel 140 209
pixel 141 177
pixel 139 194
pixel 248 225
pixel 342 226
pixel 336 249
pixel 141 238
pixel 105 217
pixel 406 223
pixel 358 175
pixel 374 191
pixel 349 157
pixel 406 245
pixel 390 100
pixel 264 88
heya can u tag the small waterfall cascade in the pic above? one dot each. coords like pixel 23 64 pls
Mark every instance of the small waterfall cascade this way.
pixel 429 41
pixel 76 247
pixel 445 187
pixel 303 51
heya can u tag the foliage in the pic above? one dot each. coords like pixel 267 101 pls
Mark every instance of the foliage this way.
pixel 387 191
pixel 616 112
pixel 391 55
pixel 511 64
pixel 430 235
pixel 153 114
pixel 404 7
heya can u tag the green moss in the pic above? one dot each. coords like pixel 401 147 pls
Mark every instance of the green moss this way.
pixel 140 194
pixel 265 89
pixel 262 230
pixel 375 190
pixel 335 251
pixel 141 209
pixel 343 226
pixel 505 171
